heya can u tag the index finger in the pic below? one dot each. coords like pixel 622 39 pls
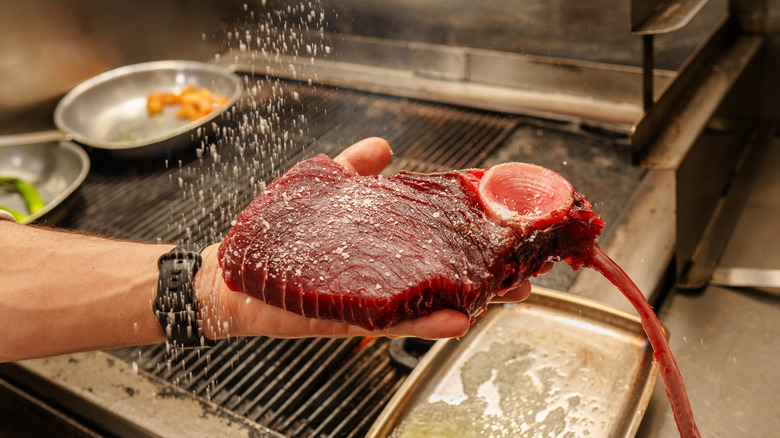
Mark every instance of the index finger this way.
pixel 366 157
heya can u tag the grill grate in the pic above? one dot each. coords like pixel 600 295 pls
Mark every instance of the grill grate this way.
pixel 304 387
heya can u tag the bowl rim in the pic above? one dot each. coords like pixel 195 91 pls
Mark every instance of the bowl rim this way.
pixel 68 100
pixel 56 139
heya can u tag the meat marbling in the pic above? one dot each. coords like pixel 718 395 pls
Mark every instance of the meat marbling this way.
pixel 325 242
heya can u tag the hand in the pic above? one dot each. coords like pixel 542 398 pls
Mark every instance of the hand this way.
pixel 228 313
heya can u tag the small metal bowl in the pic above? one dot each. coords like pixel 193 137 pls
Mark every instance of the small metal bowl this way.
pixel 109 111
pixel 55 167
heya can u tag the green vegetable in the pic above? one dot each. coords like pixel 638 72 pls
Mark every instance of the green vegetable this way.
pixel 18 215
pixel 28 191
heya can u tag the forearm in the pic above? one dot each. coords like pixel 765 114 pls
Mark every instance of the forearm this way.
pixel 63 292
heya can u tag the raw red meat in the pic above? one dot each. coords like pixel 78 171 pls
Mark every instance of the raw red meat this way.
pixel 325 242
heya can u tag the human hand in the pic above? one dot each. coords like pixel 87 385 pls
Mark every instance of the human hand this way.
pixel 229 313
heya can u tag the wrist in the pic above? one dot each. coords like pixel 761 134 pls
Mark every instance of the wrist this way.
pixel 177 305
pixel 206 284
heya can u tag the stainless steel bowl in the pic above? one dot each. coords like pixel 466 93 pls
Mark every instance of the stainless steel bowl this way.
pixel 109 111
pixel 55 167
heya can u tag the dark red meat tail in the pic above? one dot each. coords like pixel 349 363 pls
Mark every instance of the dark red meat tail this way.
pixel 667 365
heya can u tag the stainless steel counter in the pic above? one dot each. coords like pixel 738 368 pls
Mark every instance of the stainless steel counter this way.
pixel 725 339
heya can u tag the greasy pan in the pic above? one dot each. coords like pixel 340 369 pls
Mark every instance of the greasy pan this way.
pixel 109 111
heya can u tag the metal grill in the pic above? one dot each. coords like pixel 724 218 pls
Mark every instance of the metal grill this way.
pixel 304 387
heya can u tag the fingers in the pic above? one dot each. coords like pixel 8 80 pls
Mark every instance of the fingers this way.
pixel 366 157
pixel 546 268
pixel 514 294
pixel 521 292
pixel 445 323
pixel 252 317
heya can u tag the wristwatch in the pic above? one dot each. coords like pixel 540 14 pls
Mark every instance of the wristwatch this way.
pixel 176 306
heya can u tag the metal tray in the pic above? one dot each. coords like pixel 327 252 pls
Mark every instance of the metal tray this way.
pixel 54 166
pixel 554 365
pixel 109 111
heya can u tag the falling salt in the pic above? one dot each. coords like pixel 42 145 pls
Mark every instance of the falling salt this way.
pixel 260 135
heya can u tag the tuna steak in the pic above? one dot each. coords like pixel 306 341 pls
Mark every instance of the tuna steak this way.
pixel 327 243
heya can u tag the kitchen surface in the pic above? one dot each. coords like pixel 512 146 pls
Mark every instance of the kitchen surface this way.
pixel 724 336
pixel 666 121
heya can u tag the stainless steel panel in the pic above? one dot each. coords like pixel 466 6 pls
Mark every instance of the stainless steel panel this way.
pixel 658 140
pixel 663 16
pixel 700 268
pixel 725 339
pixel 600 94
pixel 725 342
pixel 746 277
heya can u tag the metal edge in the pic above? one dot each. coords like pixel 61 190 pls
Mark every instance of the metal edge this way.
pixel 127 402
pixel 134 68
pixel 746 277
pixel 657 142
pixel 389 417
pixel 658 17
pixel 481 96
pixel 642 241
pixel 715 237
pixel 460 87
pixel 32 138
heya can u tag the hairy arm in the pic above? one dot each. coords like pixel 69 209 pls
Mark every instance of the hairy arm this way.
pixel 64 292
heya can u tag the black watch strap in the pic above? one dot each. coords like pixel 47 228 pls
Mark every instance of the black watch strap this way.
pixel 176 306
